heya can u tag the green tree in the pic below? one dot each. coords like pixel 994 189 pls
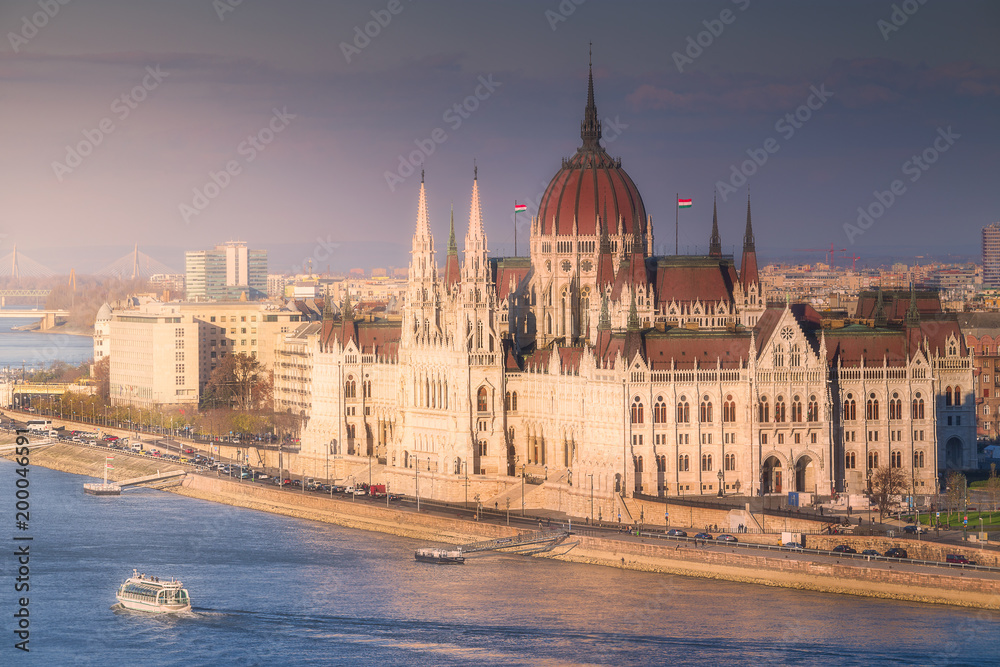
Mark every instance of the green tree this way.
pixel 955 483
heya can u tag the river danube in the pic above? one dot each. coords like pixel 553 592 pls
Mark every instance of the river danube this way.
pixel 269 589
pixel 37 349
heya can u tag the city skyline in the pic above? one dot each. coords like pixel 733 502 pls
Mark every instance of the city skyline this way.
pixel 165 101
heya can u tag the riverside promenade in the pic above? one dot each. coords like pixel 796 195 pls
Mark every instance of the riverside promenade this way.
pixel 647 551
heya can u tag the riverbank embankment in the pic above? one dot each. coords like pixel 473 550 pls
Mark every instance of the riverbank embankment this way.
pixel 898 581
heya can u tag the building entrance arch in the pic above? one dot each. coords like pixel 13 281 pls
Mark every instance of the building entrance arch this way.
pixel 771 481
pixel 953 453
pixel 805 474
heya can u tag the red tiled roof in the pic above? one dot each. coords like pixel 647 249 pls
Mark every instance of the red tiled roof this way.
pixel 691 351
pixel 706 281
pixel 895 303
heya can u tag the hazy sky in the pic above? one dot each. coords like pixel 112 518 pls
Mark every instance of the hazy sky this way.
pixel 115 112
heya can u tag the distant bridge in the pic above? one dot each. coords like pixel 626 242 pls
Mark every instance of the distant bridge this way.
pixel 4 293
pixel 30 388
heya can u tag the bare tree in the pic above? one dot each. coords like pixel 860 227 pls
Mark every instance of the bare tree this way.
pixel 993 486
pixel 887 485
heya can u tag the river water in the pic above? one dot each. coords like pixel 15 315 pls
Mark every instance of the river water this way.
pixel 269 589
pixel 36 349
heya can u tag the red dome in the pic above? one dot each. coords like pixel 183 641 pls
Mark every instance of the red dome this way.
pixel 589 186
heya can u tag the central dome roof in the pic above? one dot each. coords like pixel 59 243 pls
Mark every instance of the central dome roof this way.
pixel 591 185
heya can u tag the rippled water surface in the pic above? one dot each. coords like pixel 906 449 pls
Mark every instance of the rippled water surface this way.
pixel 274 590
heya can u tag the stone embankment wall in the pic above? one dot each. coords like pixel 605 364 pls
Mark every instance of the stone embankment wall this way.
pixel 915 549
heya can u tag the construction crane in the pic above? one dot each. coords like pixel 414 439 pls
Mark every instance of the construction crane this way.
pixel 828 251
pixel 854 260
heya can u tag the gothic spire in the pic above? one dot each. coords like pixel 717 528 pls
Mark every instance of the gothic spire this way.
pixel 912 314
pixel 605 321
pixel 590 128
pixel 715 243
pixel 633 315
pixel 748 266
pixel 327 309
pixel 879 314
pixel 452 245
pixel 748 242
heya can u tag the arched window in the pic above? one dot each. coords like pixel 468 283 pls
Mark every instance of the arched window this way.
pixel 895 407
pixel 513 402
pixel 683 463
pixel 705 413
pixel 481 399
pixel 796 409
pixel 958 395
pixel 812 412
pixel 917 407
pixel 918 459
pixel 638 464
pixel 683 411
pixel 659 411
pixel 851 461
pixel 871 408
pixel 706 462
pixel 506 401
pixel 779 409
pixel 350 388
pixel 779 356
pixel 850 408
pixel 765 414
pixel 795 357
pixel 947 396
pixel 730 461
pixel 729 409
pixel 637 416
pixel 872 460
pixel 896 459
pixel 661 463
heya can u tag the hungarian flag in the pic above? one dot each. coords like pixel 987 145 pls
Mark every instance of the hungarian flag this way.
pixel 520 208
pixel 684 203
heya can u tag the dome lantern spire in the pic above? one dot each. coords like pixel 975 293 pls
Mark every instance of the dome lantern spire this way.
pixel 590 128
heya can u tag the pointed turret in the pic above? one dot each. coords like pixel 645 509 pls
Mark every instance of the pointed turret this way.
pixel 715 242
pixel 605 261
pixel 748 266
pixel 879 315
pixel 327 309
pixel 912 314
pixel 633 315
pixel 476 267
pixel 452 270
pixel 605 322
pixel 423 267
pixel 590 128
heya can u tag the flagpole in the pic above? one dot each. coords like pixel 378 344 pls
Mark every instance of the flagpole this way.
pixel 677 218
pixel 515 228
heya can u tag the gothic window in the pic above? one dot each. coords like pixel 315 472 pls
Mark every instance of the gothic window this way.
pixel 851 461
pixel 896 459
pixel 779 409
pixel 705 413
pixel 779 356
pixel 895 407
pixel 918 459
pixel 659 411
pixel 481 400
pixel 513 402
pixel 872 460
pixel 764 409
pixel 638 464
pixel 706 463
pixel 729 409
pixel 850 408
pixel 637 417
pixel 812 412
pixel 730 461
pixel 871 408
pixel 958 395
pixel 350 388
pixel 796 409
pixel 683 411
pixel 506 401
pixel 947 396
pixel 683 463
pixel 795 357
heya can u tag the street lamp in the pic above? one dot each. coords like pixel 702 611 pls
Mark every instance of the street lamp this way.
pixel 522 489
pixel 720 483
pixel 466 465
pixel 591 476
pixel 416 481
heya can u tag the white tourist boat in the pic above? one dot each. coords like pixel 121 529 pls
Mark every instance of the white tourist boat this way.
pixel 435 555
pixel 141 592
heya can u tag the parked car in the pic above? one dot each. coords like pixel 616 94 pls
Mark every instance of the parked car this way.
pixel 726 537
pixel 676 532
pixel 913 529
pixel 896 552
pixel 844 549
pixel 959 559
pixel 870 552
pixel 792 545
pixel 703 536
